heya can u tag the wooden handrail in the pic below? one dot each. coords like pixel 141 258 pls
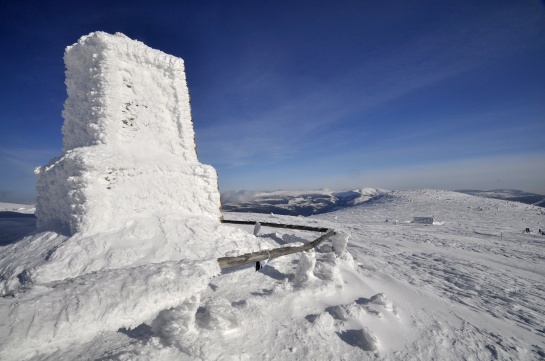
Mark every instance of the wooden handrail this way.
pixel 280 225
pixel 227 262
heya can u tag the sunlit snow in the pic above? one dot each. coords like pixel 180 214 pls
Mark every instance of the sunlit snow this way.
pixel 471 288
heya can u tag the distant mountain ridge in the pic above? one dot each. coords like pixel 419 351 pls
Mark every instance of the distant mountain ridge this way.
pixel 513 195
pixel 296 203
pixel 307 203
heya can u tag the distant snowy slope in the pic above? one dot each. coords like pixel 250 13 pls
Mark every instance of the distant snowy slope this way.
pixel 475 282
pixel 509 195
pixel 16 221
pixel 295 203
pixel 306 203
pixel 19 208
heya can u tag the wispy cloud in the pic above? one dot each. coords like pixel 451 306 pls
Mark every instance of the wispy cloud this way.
pixel 266 136
pixel 281 118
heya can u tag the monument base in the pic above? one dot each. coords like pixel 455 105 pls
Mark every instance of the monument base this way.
pixel 84 191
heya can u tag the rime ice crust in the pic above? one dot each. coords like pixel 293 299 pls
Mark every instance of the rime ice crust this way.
pixel 122 93
pixel 86 191
pixel 128 146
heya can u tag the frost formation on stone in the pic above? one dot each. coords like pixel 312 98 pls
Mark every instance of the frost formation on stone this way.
pixel 128 146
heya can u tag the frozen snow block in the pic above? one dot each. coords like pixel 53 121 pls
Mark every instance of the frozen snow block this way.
pixel 129 147
pixel 84 191
pixel 128 95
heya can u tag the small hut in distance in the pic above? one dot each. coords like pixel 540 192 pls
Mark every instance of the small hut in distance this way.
pixel 423 220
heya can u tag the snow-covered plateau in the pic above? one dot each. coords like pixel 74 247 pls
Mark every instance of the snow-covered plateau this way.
pixel 469 287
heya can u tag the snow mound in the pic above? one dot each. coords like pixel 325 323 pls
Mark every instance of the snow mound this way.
pixel 305 268
pixel 362 338
pixel 75 310
pixel 381 299
pixel 339 241
pixel 49 256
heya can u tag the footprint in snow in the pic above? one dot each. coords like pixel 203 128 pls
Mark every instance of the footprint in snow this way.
pixel 363 338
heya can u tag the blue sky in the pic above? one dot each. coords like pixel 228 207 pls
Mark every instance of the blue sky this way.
pixel 307 94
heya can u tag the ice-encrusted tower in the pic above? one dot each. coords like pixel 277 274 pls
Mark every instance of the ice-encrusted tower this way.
pixel 128 146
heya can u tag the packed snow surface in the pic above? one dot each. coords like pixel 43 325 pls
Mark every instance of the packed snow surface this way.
pixel 471 286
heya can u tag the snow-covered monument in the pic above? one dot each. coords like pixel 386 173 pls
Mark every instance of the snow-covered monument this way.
pixel 128 146
pixel 129 226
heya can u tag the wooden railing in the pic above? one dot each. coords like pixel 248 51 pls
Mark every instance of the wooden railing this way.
pixel 227 262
